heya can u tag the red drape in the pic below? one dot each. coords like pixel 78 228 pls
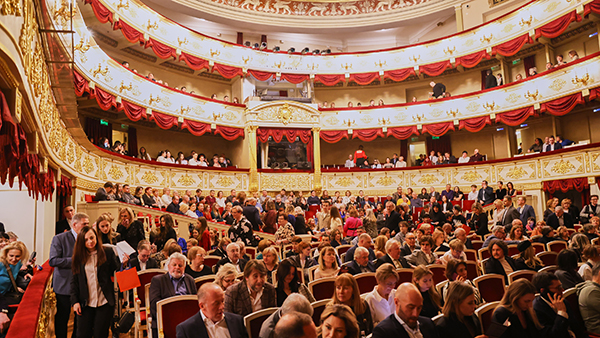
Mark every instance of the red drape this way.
pixel 81 84
pixel 442 144
pixel 398 74
pixel 229 133
pixel 557 27
pixel 193 62
pixel 261 76
pixel 130 33
pixel 64 187
pixel 163 51
pixel 565 185
pixel 435 69
pixel 364 78
pixel 592 7
pixel 562 105
pixel 594 93
pixel 329 79
pixel 105 99
pixel 163 120
pixel 132 110
pixel 277 134
pixel 472 60
pixel 95 130
pixel 228 71
pixel 102 13
pixel 294 78
pixel 511 47
pixel 333 136
pixel 515 117
pixel 475 124
pixel 367 135
pixel 438 129
pixel 196 128
pixel 403 133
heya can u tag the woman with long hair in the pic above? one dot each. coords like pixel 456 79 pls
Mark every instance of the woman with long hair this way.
pixel 13 257
pixel 203 233
pixel 347 293
pixel 270 218
pixel 562 234
pixel 479 220
pixel 271 261
pixel 423 280
pixel 143 154
pixel 515 312
pixel 591 257
pixel 457 271
pixel 196 267
pixel 567 269
pixel 459 320
pixel 380 246
pixel 510 189
pixel 352 223
pixel 328 264
pixel 288 283
pixel 550 206
pixel 578 242
pixel 220 200
pixel 130 228
pixel 214 213
pixel 336 219
pixel 166 231
pixel 517 234
pixel 105 230
pixel 527 259
pixel 338 321
pixel 370 222
pixel 92 292
pixel 498 213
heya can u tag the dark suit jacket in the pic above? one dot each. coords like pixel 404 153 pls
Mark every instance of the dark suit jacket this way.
pixel 174 208
pixel 546 147
pixel 195 327
pixel 509 215
pixel 79 286
pixel 553 221
pixel 405 250
pixel 354 269
pixel 486 195
pixel 61 251
pixel 350 254
pixel 494 266
pixel 557 326
pixel 490 81
pixel 150 263
pixel 526 213
pixel 387 259
pixel 451 327
pixel 392 221
pixel 161 288
pixel 237 298
pixel 253 215
pixel 391 327
pixel 242 262
pixel 295 260
pixel 102 195
pixel 62 226
pixel 515 330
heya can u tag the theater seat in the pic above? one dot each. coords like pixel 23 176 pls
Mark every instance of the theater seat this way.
pixel 550 269
pixel 140 296
pixel 538 247
pixel 548 257
pixel 251 251
pixel 405 276
pixel 527 274
pixel 471 255
pixel 472 270
pixel 203 280
pixel 211 260
pixel 484 313
pixel 571 296
pixel 173 311
pixel 253 321
pixel 343 248
pixel 318 308
pixel 556 246
pixel 366 281
pixel 484 253
pixel 477 244
pixel 512 250
pixel 491 287
pixel 439 272
pixel 322 288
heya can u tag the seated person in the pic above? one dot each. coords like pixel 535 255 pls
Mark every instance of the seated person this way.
pixel 233 257
pixel 347 293
pixel 499 262
pixel 459 318
pixel 381 299
pixel 438 89
pixel 392 256
pixel 567 269
pixel 591 257
pixel 527 259
pixel 360 264
pixel 143 260
pixel 423 280
pixel 253 293
pixel 423 256
pixel 196 268
pixel 410 244
pixel 288 283
pixel 364 240
pixel 457 271
pixel 515 311
pixel 293 304
pixel 221 249
pixel 328 263
pixel 457 251
pixel 226 276
pixel 588 294
pixel 303 260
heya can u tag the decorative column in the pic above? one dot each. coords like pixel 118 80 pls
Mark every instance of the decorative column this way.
pixel 317 158
pixel 459 18
pixel 251 135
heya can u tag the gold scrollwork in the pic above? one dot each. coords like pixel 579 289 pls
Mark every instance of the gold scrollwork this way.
pixel 123 87
pixel 490 107
pixel 367 119
pixel 103 72
pixel 82 46
pixel 346 66
pixel 214 53
pixel 153 99
pixel 384 122
pixel 584 80
pixel 11 7
pixel 332 120
pixel 562 167
pixel 428 179
pixel 224 181
pixel 557 84
pixel 400 116
pixel 149 177
pixel 285 114
pixel 150 25
pixel 64 12
pixel 385 181
pixel 344 182
pixel 415 59
pixel 524 22
pixel 88 165
pixel 419 118
pixel 380 64
pixel 449 51
pixel 471 176
pixel 123 5
pixel 186 180
pixel 488 39
pixel 115 172
pixel 182 42
pixel 351 123
pixel 453 113
pixel 516 173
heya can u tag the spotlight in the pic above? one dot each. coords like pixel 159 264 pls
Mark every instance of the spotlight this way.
pixel 316 51
pixel 263 45
pixel 248 44
pixel 291 50
pixel 328 51
pixel 276 49
pixel 256 46
pixel 305 50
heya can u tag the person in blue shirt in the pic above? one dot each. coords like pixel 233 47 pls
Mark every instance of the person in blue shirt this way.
pixel 12 257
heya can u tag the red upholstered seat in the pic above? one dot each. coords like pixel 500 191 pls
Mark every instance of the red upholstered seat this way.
pixel 254 321
pixel 405 276
pixel 318 308
pixel 484 313
pixel 467 205
pixel 89 198
pixel 512 250
pixel 322 288
pixel 484 253
pixel 343 248
pixel 366 282
pixel 538 247
pixel 173 311
pixel 527 274
pixel 471 255
pixel 145 278
pixel 211 260
pixel 472 270
pixel 573 302
pixel 477 244
pixel 251 251
pixel 548 257
pixel 491 287
pixel 557 246
pixel 439 273
pixel 143 316
pixel 203 280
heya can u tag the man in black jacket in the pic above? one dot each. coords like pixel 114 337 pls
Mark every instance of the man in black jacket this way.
pixel 392 218
pixel 65 223
pixel 559 217
pixel 104 193
pixel 510 213
pixel 485 195
pixel 174 206
pixel 252 214
pixel 490 80
pixel 360 264
pixel 408 302
pixel 392 247
pixel 499 262
pixel 553 311
pixel 143 260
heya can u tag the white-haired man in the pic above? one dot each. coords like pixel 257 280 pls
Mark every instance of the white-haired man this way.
pixel 361 262
pixel 234 256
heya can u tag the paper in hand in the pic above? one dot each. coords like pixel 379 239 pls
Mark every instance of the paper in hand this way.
pixel 123 248
pixel 496 330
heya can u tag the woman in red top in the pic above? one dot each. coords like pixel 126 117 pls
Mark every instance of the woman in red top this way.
pixel 352 222
pixel 360 156
pixel 204 235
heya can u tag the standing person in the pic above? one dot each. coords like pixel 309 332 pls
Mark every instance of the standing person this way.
pixel 130 228
pixel 360 156
pixel 64 224
pixel 92 292
pixel 525 210
pixel 61 252
pixel 590 210
pixel 485 195
pixel 241 229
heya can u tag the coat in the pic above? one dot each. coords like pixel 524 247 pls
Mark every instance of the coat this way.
pixel 567 220
pixel 391 327
pixel 558 326
pixel 61 251
pixel 387 259
pixel 486 195
pixel 195 327
pixel 451 327
pixel 494 266
pixel 526 213
pixel 79 287
pixel 354 269
pixel 161 288
pixel 237 298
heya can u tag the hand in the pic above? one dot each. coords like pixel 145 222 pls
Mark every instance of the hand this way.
pixel 460 279
pixel 557 303
pixel 77 308
pixel 20 290
pixel 4 321
pixel 125 259
pixel 28 276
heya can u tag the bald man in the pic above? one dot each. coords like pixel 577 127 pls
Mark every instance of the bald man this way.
pixel 211 321
pixel 406 322
pixel 296 325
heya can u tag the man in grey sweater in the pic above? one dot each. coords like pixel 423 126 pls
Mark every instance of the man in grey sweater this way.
pixel 589 301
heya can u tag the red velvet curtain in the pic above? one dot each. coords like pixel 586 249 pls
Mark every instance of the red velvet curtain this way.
pixel 305 136
pixel 294 78
pixel 403 133
pixel 594 93
pixel 163 120
pixel 81 84
pixel 472 60
pixel 228 71
pixel 132 148
pixel 565 185
pixel 562 105
pixel 475 124
pixel 163 51
pixel 261 76
pixel 329 79
pixel 229 133
pixel 438 129
pixel 132 110
pixel 441 144
pixel 333 136
pixel 193 62
pixel 398 74
pixel 515 117
pixel 528 63
pixel 367 135
pixel 364 78
pixel 511 47
pixel 592 7
pixel 131 34
pixel 105 99
pixel 101 12
pixel 558 26
pixel 435 69
pixel 64 187
pixel 196 128
pixel 95 130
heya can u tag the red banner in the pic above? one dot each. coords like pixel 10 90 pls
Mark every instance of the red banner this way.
pixel 329 79
pixel 364 78
pixel 398 74
pixel 277 134
pixel 105 99
pixel 133 111
pixel 130 33
pixel 472 60
pixel 229 133
pixel 333 136
pixel 565 185
pixel 558 26
pixel 511 47
pixel 101 12
pixel 435 69
pixel 261 76
pixel 193 62
pixel 403 133
pixel 367 135
pixel 475 124
pixel 562 105
pixel 515 117
pixel 81 84
pixel 438 129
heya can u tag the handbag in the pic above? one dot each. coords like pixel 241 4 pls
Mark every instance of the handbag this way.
pixel 124 324
pixel 15 295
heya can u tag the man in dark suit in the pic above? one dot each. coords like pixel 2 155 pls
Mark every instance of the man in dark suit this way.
pixel 553 311
pixel 410 244
pixel 61 251
pixel 499 256
pixel 552 145
pixel 360 264
pixel 510 213
pixel 409 303
pixel 392 218
pixel 65 223
pixel 485 195
pixel 233 257
pixel 548 235
pixel 461 235
pixel 559 217
pixel 252 214
pixel 490 80
pixel 392 247
pixel 174 283
pixel 104 193
pixel 143 260
pixel 208 319
pixel 364 240
pixel 241 298
pixel 174 206
pixel 525 210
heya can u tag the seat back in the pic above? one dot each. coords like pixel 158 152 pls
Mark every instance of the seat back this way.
pixel 512 250
pixel 173 311
pixel 439 272
pixel 366 281
pixel 538 247
pixel 548 257
pixel 253 321
pixel 556 246
pixel 484 313
pixel 472 270
pixel 437 318
pixel 478 244
pixel 471 255
pixel 211 260
pixel 251 251
pixel 573 302
pixel 550 269
pixel 311 273
pixel 145 278
pixel 343 248
pixel 318 308
pixel 527 274
pixel 405 276
pixel 322 288
pixel 491 287
pixel 484 253
pixel 203 280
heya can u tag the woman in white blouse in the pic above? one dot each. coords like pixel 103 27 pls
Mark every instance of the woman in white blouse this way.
pixel 328 264
pixel 168 157
pixel 381 299
pixel 162 157
pixel 498 213
pixel 220 199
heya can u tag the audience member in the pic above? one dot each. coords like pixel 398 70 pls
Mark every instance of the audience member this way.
pixel 143 260
pixel 338 321
pixel 515 312
pixel 104 193
pixel 457 271
pixel 588 294
pixel 226 276
pixel 393 254
pixel 459 319
pixel 527 259
pixel 328 263
pixel 423 255
pixel 381 299
pixel 196 267
pixel 296 325
pixel 288 283
pixel 485 195
pixel 252 293
pixel 64 224
pixel 500 262
pixel 347 293
pixel 241 229
pixel 591 257
pixel 567 269
pixel 233 258
pixel 438 89
pixel 360 263
pixel 423 279
pixel 560 218
pixel 293 304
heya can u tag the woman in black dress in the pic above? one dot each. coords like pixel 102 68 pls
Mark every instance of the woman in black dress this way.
pixel 166 232
pixel 479 220
pixel 423 280
pixel 501 191
pixel 459 320
pixel 130 229
pixel 196 267
pixel 515 312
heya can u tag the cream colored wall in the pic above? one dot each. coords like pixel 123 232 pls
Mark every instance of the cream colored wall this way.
pixel 477 12
pixel 448 27
pixel 337 153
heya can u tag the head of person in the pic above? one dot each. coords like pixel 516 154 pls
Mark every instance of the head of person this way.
pixel 196 255
pixel 126 217
pixel 295 325
pixel 409 302
pixel 255 275
pixel 237 212
pixel 499 232
pixel 498 249
pixel 270 255
pixel 364 240
pixel 327 258
pixel 347 292
pixel 392 247
pixel 410 239
pixel 456 268
pixel 547 284
pixel 233 252
pixel 423 278
pixel 461 235
pixel 68 212
pixel 460 302
pixel 338 321
pixel 548 231
pixel 426 243
pixel 226 276
pixel 519 298
pixel 211 300
pixel 143 250
pixel 176 264
pixel 286 275
pixel 13 253
pixel 386 277
pixel 79 221
pixel 567 260
pixel 457 247
pixel 361 256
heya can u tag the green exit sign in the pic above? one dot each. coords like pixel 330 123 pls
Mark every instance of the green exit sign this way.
pixel 435 137
pixel 414 139
pixel 104 122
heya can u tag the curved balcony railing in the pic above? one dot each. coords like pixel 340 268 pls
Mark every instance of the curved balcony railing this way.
pixel 505 36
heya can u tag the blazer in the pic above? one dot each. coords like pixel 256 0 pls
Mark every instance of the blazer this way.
pixel 237 298
pixel 494 266
pixel 350 254
pixel 451 327
pixel 546 147
pixel 150 263
pixel 553 221
pixel 102 195
pixel 61 251
pixel 354 269
pixel 161 288
pixel 295 260
pixel 557 326
pixel 253 216
pixel 486 195
pixel 79 286
pixel 195 327
pixel 391 327
pixel 515 330
pixel 526 213
pixel 510 214
pixel 405 250
pixel 387 259
pixel 418 257
pixel 62 226
pixel 392 221
pixel 242 263
pixel 490 81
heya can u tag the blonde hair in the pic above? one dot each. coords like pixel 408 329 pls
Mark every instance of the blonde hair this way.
pixel 380 243
pixel 271 249
pixel 18 245
pixel 420 272
pixel 225 271
pixel 530 258
pixel 515 291
pixel 358 304
pixel 129 211
pixel 112 234
pixel 194 251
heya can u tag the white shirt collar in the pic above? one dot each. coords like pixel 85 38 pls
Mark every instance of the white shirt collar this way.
pixel 409 330
pixel 74 233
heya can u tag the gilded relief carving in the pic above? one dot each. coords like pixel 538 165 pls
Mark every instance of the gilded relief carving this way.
pixel 275 182
pixel 557 84
pixel 115 172
pixel 224 181
pixel 284 114
pixel 562 167
pixel 516 173
pixel 149 177
pixel 186 180
pixel 428 179
pixel 385 181
pixel 471 176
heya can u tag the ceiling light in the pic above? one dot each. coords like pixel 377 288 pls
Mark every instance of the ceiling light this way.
pixel 291 50
pixel 276 49
pixel 305 50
